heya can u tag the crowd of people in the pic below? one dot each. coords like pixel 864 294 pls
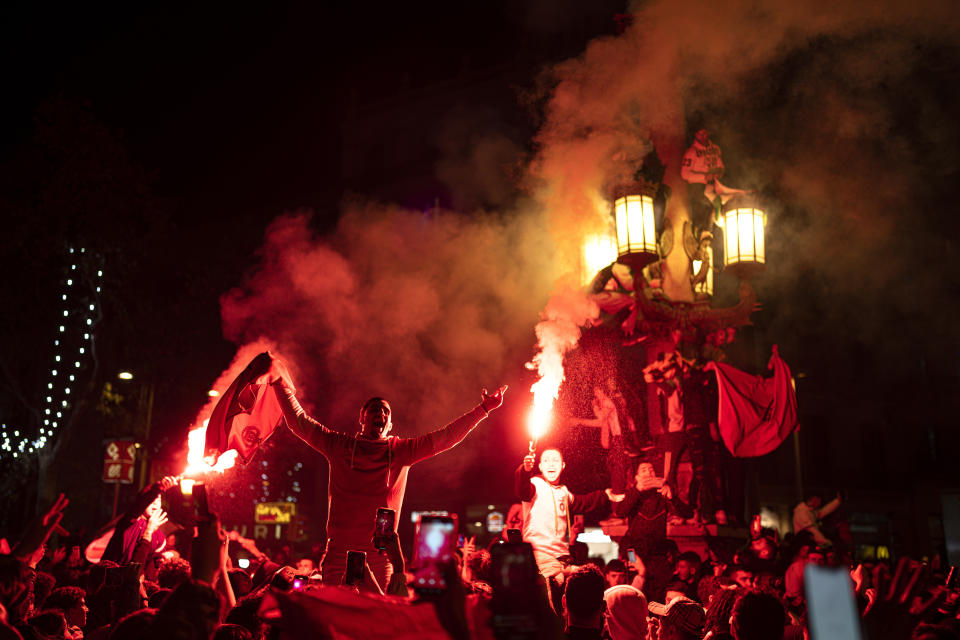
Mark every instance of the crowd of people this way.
pixel 48 589
pixel 534 581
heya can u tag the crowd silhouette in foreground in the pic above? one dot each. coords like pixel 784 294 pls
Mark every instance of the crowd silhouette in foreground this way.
pixel 146 588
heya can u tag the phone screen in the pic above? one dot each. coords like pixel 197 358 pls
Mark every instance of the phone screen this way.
pixel 383 527
pixel 434 547
pixel 830 604
pixel 356 561
pixel 513 536
pixel 631 555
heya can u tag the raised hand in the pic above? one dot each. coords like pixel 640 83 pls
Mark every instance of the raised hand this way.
pixel 528 461
pixel 614 497
pixel 156 520
pixel 38 532
pixel 469 546
pixel 896 609
pixel 490 402
pixel 58 556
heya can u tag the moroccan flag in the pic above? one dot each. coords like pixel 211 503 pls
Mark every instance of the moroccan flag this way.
pixel 756 414
pixel 247 414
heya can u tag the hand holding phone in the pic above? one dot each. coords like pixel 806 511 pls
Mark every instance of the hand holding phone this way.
pixel 383 527
pixel 434 547
pixel 830 604
pixel 356 567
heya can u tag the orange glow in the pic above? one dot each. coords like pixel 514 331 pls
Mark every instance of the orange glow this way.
pixel 557 333
pixel 196 465
pixel 539 418
pixel 598 252
pixel 545 390
pixel 186 486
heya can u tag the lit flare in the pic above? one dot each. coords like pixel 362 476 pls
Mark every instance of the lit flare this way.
pixel 196 464
pixel 557 333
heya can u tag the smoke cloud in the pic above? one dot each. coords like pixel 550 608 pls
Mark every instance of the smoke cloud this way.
pixel 839 113
pixel 424 310
pixel 829 109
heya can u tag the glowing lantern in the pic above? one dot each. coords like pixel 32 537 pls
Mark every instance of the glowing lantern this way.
pixel 744 251
pixel 599 251
pixel 636 230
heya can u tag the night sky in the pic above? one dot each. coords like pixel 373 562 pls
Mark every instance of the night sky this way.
pixel 171 140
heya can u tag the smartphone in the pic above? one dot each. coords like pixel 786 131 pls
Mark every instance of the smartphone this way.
pixel 631 556
pixel 513 576
pixel 201 508
pixel 830 604
pixel 461 540
pixel 383 527
pixel 433 552
pixel 356 563
pixel 514 536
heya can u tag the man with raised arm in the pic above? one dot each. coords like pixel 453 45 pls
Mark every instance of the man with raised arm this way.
pixel 368 470
pixel 547 507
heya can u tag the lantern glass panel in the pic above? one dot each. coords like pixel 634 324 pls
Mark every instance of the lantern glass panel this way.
pixel 758 235
pixel 743 236
pixel 635 225
pixel 623 229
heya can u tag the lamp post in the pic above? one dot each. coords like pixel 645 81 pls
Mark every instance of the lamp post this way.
pixel 674 271
pixel 145 394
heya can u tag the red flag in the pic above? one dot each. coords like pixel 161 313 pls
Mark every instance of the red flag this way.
pixel 247 413
pixel 339 612
pixel 756 414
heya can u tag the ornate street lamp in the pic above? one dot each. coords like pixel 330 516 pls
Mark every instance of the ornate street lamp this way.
pixel 743 228
pixel 636 228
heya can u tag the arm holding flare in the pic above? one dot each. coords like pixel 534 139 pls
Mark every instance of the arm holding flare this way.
pixel 522 486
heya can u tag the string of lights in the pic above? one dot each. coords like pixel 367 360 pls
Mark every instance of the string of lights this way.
pixel 73 352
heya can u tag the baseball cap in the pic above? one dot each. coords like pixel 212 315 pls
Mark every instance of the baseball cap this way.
pixel 682 612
